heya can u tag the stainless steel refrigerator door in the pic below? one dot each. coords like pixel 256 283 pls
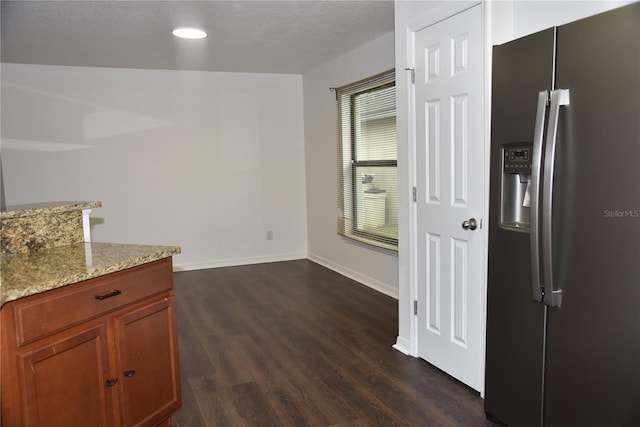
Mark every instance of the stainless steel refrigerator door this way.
pixel 593 340
pixel 515 322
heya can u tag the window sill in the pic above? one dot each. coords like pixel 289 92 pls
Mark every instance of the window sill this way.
pixel 372 243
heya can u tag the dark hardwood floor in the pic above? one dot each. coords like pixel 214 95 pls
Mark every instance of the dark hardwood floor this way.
pixel 295 344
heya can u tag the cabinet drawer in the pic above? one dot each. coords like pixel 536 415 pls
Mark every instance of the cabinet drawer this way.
pixel 53 311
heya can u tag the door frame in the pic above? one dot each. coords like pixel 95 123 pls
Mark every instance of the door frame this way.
pixel 408 265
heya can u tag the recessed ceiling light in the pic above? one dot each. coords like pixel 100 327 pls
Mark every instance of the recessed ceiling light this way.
pixel 189 33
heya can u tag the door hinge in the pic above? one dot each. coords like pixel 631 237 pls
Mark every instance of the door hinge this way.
pixel 415 194
pixel 415 307
pixel 413 74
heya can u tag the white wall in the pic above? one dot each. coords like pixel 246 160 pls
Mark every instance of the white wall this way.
pixel 206 161
pixel 532 16
pixel 376 268
pixel 512 19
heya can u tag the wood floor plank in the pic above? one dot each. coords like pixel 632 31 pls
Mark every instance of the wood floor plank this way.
pixel 295 344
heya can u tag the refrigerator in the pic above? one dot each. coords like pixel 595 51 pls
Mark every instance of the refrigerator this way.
pixel 563 290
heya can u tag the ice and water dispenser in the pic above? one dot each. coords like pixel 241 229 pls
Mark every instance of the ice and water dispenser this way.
pixel 515 186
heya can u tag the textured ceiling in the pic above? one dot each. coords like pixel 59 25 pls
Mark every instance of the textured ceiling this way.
pixel 244 36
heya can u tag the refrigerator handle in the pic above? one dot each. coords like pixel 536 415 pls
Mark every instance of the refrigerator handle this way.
pixel 536 169
pixel 552 296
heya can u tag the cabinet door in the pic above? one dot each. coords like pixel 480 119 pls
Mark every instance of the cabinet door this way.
pixel 147 359
pixel 64 381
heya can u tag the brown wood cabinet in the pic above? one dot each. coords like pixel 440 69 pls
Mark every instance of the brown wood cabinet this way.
pixel 102 352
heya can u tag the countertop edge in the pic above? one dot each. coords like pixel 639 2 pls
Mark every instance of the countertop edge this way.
pixel 132 255
pixel 21 211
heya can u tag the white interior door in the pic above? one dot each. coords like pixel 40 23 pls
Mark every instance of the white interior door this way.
pixel 450 193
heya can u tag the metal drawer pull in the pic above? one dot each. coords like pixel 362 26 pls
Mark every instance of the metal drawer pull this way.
pixel 113 293
pixel 111 382
pixel 129 374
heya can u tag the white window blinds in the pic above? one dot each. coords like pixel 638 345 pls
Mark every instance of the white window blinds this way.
pixel 367 161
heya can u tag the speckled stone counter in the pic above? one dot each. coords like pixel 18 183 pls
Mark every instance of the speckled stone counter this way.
pixel 39 271
pixel 47 208
pixel 33 227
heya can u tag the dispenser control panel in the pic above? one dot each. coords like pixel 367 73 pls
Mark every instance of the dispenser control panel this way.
pixel 517 159
pixel 515 199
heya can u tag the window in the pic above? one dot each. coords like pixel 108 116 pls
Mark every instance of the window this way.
pixel 368 161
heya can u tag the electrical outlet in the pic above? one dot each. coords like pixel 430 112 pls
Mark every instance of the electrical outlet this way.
pixel 269 235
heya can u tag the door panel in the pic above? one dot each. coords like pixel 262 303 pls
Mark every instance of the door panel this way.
pixel 73 369
pixel 434 281
pixel 147 363
pixel 515 323
pixel 450 175
pixel 593 341
pixel 459 303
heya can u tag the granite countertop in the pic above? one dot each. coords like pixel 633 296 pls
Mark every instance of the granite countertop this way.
pixel 28 274
pixel 50 208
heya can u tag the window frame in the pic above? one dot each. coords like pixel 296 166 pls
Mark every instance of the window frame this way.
pixel 348 203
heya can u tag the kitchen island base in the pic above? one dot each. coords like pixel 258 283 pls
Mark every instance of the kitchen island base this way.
pixel 100 352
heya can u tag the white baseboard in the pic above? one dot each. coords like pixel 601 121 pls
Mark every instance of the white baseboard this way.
pixel 379 286
pixel 403 345
pixel 238 261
